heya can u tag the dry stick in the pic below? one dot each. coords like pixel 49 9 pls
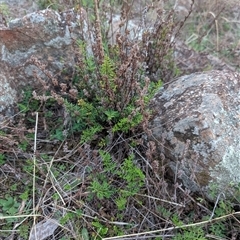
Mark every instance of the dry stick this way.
pixel 191 198
pixel 173 228
pixel 50 175
pixel 34 173
pixel 217 30
pixel 19 216
pixel 100 50
pixel 34 215
pixel 209 26
pixel 216 203
pixel 161 200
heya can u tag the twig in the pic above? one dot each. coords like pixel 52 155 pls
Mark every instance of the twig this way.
pixel 172 228
pixel 34 173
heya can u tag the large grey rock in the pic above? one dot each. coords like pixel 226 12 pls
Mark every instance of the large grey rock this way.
pixel 197 128
pixel 48 36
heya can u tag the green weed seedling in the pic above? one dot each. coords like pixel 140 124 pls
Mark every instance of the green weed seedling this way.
pixel 101 189
pixel 28 103
pixel 23 145
pixel 2 159
pixel 176 221
pixel 132 175
pixel 219 228
pixel 164 212
pixel 28 167
pixel 57 134
pixel 109 165
pixel 71 215
pixel 100 230
pixel 190 234
pixel 9 207
pixel 24 230
pixel 184 233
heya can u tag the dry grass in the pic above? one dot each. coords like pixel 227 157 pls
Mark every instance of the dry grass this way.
pixel 213 28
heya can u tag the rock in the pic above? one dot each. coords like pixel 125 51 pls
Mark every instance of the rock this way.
pixel 189 61
pixel 197 129
pixel 15 8
pixel 48 36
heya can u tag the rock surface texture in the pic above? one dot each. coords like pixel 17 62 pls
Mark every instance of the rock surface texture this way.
pixel 19 8
pixel 48 36
pixel 197 130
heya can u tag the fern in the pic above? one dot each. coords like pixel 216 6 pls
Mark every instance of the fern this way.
pixel 89 134
pixel 133 175
pixel 107 71
pixel 125 124
pixel 109 165
pixel 108 68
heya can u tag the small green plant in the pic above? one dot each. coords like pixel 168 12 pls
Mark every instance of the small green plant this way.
pixel 24 230
pixel 9 207
pixel 121 201
pixel 23 145
pixel 132 175
pixel 190 234
pixel 58 134
pixel 101 189
pixel 70 215
pixel 28 167
pixel 28 103
pixel 219 228
pixel 185 233
pixel 4 9
pixel 2 159
pixel 164 212
pixel 176 220
pixel 109 165
pixel 90 133
pixel 25 195
pixel 101 230
pixel 84 234
pixel 53 4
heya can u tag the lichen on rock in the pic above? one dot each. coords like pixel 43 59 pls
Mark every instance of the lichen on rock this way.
pixel 197 122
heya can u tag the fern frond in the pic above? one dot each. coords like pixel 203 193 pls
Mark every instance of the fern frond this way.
pixel 108 68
